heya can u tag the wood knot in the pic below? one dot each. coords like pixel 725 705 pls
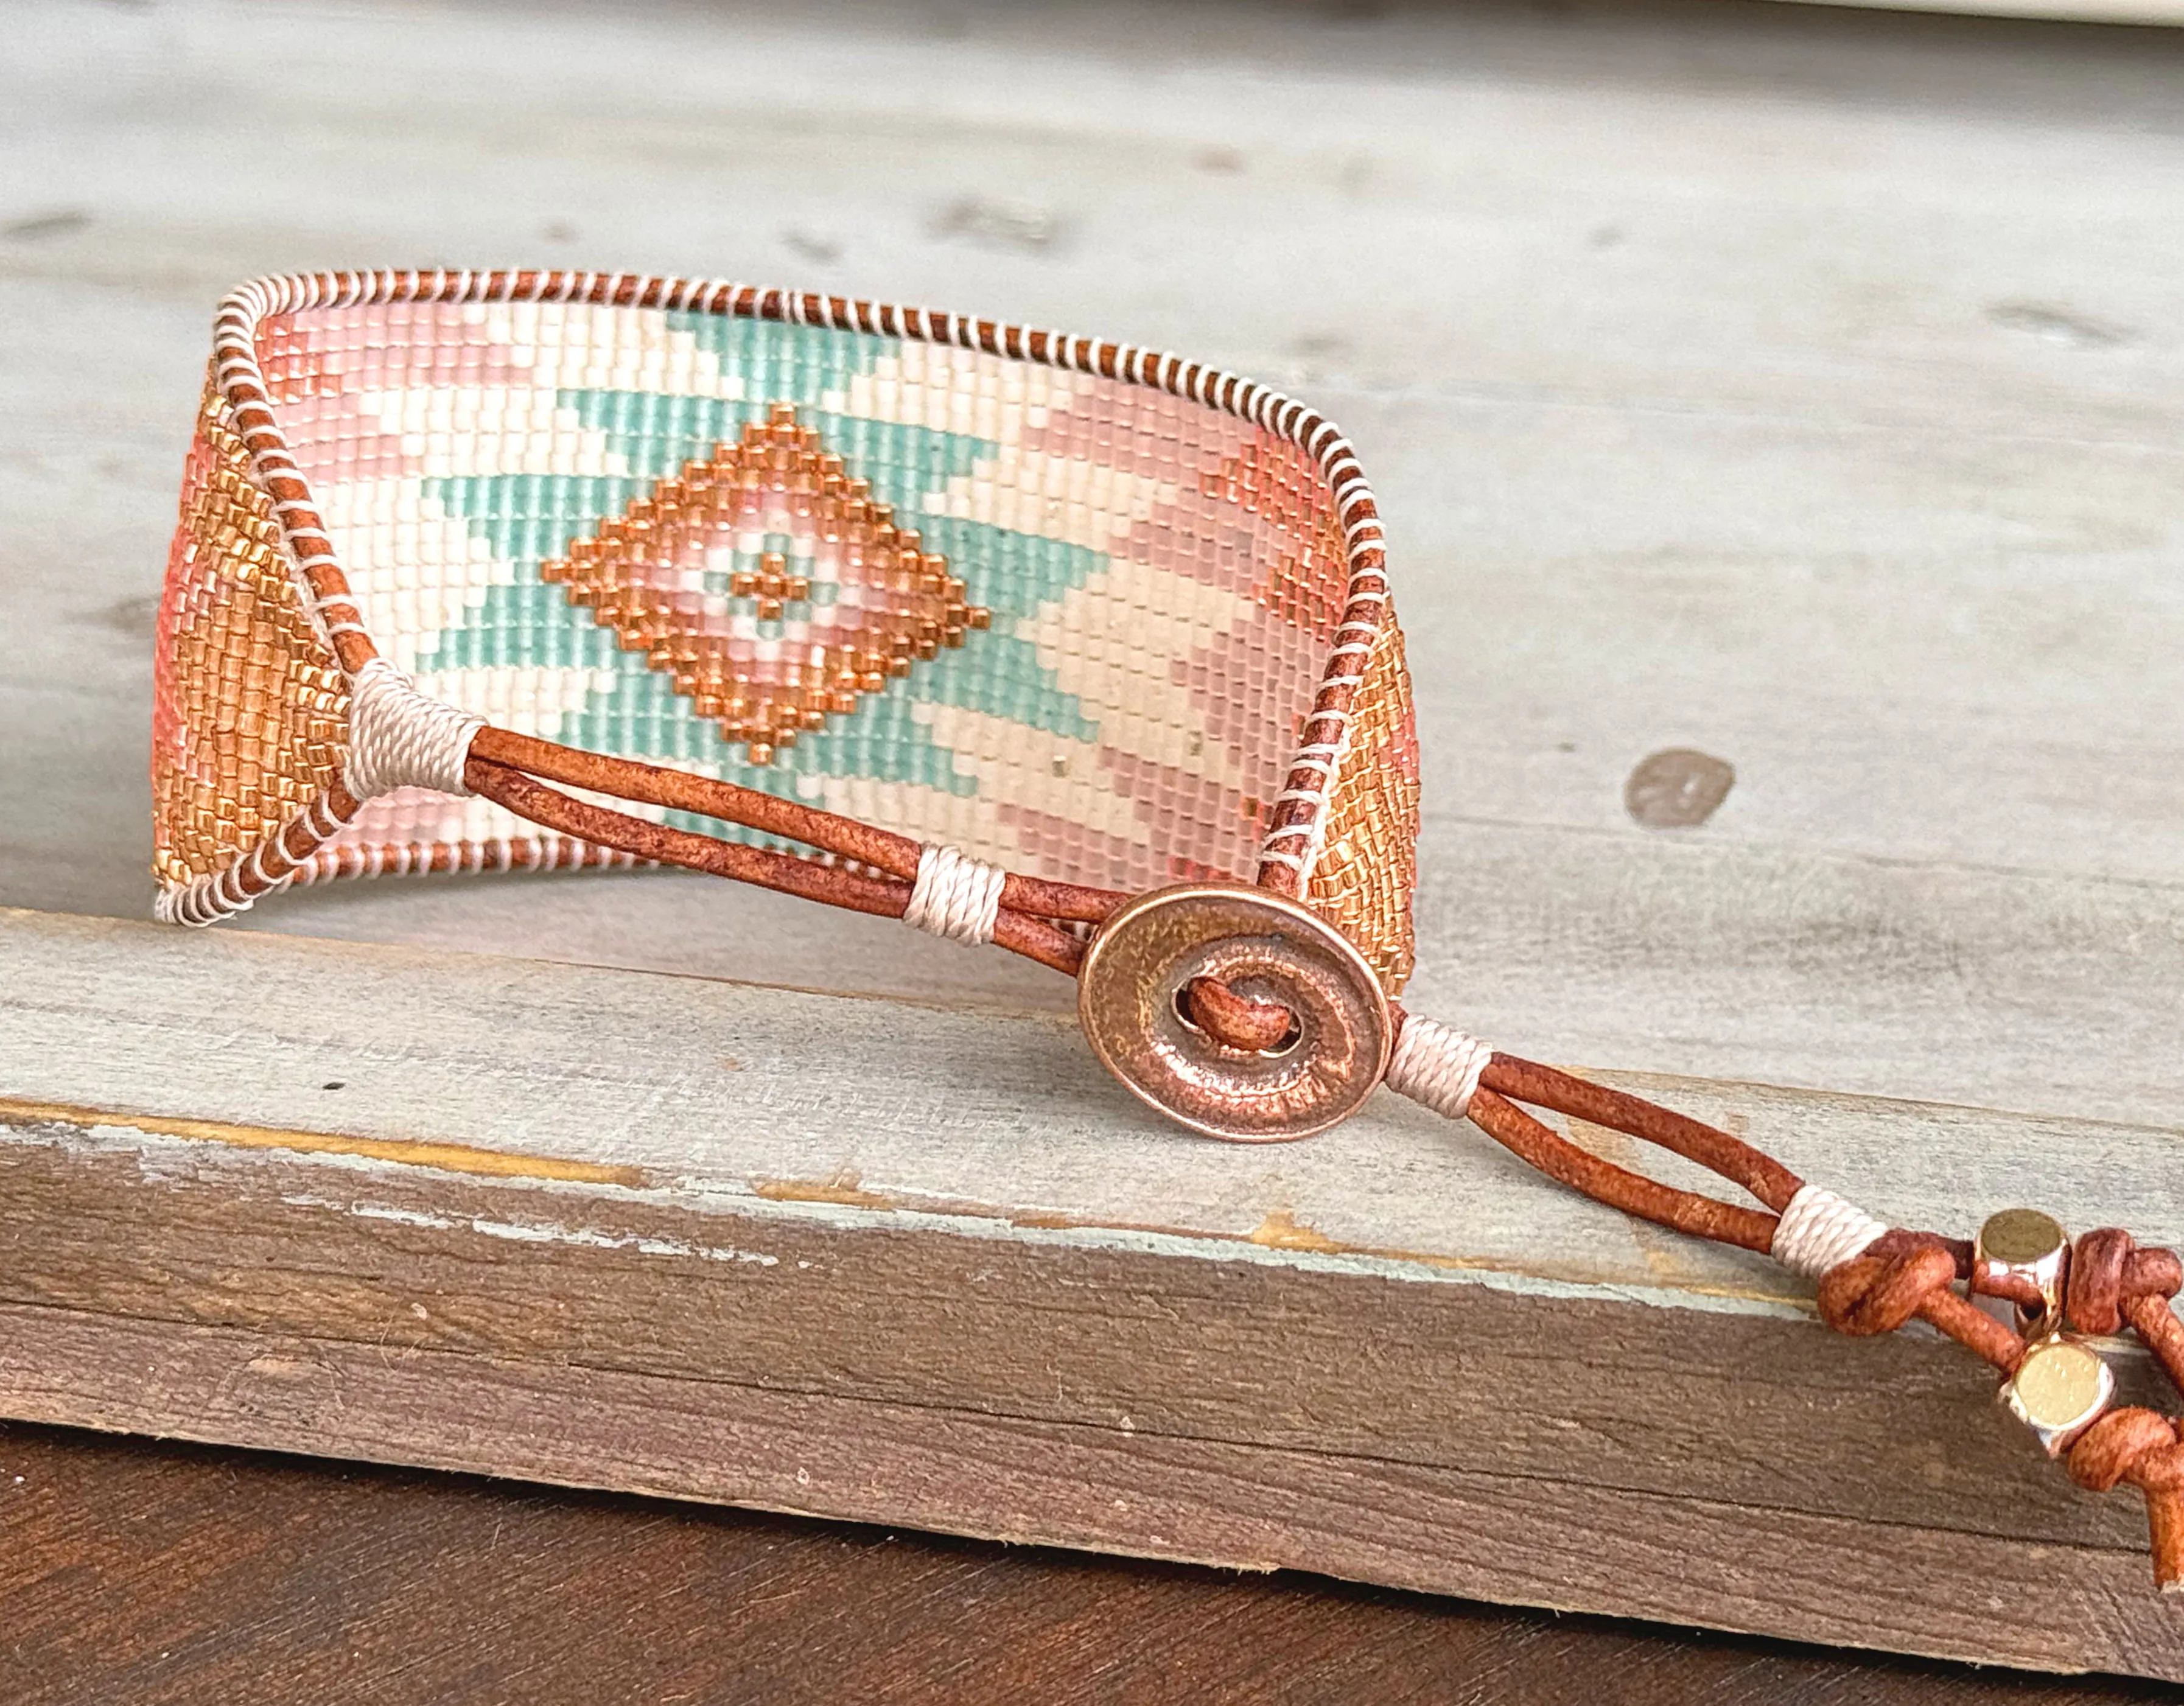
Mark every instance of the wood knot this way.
pixel 2108 1271
pixel 1870 1295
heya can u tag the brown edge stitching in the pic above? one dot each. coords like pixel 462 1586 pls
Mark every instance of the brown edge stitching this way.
pixel 1290 842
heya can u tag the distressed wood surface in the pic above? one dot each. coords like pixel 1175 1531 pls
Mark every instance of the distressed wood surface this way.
pixel 1802 387
pixel 676 1236
pixel 167 1576
pixel 1798 387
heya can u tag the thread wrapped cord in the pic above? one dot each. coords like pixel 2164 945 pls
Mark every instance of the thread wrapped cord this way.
pixel 956 896
pixel 398 738
pixel 1872 1278
pixel 1818 1229
pixel 1437 1065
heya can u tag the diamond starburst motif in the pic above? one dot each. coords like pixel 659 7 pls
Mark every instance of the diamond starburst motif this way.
pixel 769 585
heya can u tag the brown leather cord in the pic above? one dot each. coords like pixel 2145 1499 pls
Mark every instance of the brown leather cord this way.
pixel 1507 1080
pixel 2113 1283
pixel 2154 1320
pixel 2109 1273
pixel 887 896
pixel 1556 1156
pixel 1870 1295
pixel 2136 1445
pixel 653 784
pixel 1903 1276
pixel 1543 1086
pixel 1237 1022
pixel 295 844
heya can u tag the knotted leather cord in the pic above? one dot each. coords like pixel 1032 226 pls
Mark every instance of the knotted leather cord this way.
pixel 1900 1276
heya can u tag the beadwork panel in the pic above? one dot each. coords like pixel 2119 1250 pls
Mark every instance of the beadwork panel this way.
pixel 1368 862
pixel 1157 580
pixel 1069 624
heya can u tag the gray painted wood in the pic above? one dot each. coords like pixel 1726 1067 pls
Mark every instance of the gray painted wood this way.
pixel 1796 386
pixel 676 1234
pixel 1799 386
pixel 707 1087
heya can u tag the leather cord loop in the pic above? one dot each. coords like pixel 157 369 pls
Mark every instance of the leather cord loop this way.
pixel 888 896
pixel 1237 1022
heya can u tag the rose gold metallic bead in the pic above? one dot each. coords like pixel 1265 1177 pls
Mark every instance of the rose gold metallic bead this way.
pixel 2024 1255
pixel 1263 947
pixel 2059 1390
pixel 2062 1385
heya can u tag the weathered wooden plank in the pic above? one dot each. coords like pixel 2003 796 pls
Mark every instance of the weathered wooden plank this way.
pixel 712 1087
pixel 1798 386
pixel 1129 1328
pixel 169 1575
pixel 535 1183
pixel 1548 1543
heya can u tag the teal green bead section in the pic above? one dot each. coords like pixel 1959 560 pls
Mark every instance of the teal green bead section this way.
pixel 630 709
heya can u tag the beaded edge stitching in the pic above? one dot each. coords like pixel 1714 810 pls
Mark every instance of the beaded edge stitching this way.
pixel 1297 821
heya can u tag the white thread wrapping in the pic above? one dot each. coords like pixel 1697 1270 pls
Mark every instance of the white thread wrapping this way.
pixel 956 895
pixel 398 738
pixel 218 894
pixel 1819 1230
pixel 1437 1065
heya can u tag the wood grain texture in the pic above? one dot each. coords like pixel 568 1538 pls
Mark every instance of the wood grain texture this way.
pixel 1795 385
pixel 167 1576
pixel 926 1267
pixel 1522 1541
pixel 1799 388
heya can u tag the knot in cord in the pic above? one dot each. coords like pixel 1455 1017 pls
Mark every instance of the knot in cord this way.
pixel 956 895
pixel 398 738
pixel 2147 1450
pixel 1871 1295
pixel 2130 1445
pixel 1437 1065
pixel 2108 1272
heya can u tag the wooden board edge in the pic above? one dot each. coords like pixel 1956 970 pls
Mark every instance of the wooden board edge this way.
pixel 1513 1539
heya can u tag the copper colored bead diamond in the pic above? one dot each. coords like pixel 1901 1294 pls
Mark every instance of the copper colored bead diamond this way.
pixel 892 605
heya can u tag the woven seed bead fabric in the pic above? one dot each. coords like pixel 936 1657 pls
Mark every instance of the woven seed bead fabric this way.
pixel 1065 623
pixel 1368 864
pixel 249 708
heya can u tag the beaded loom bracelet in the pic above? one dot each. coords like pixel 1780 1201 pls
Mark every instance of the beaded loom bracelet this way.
pixel 1020 637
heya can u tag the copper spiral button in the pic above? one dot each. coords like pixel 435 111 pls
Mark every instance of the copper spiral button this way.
pixel 1133 1001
